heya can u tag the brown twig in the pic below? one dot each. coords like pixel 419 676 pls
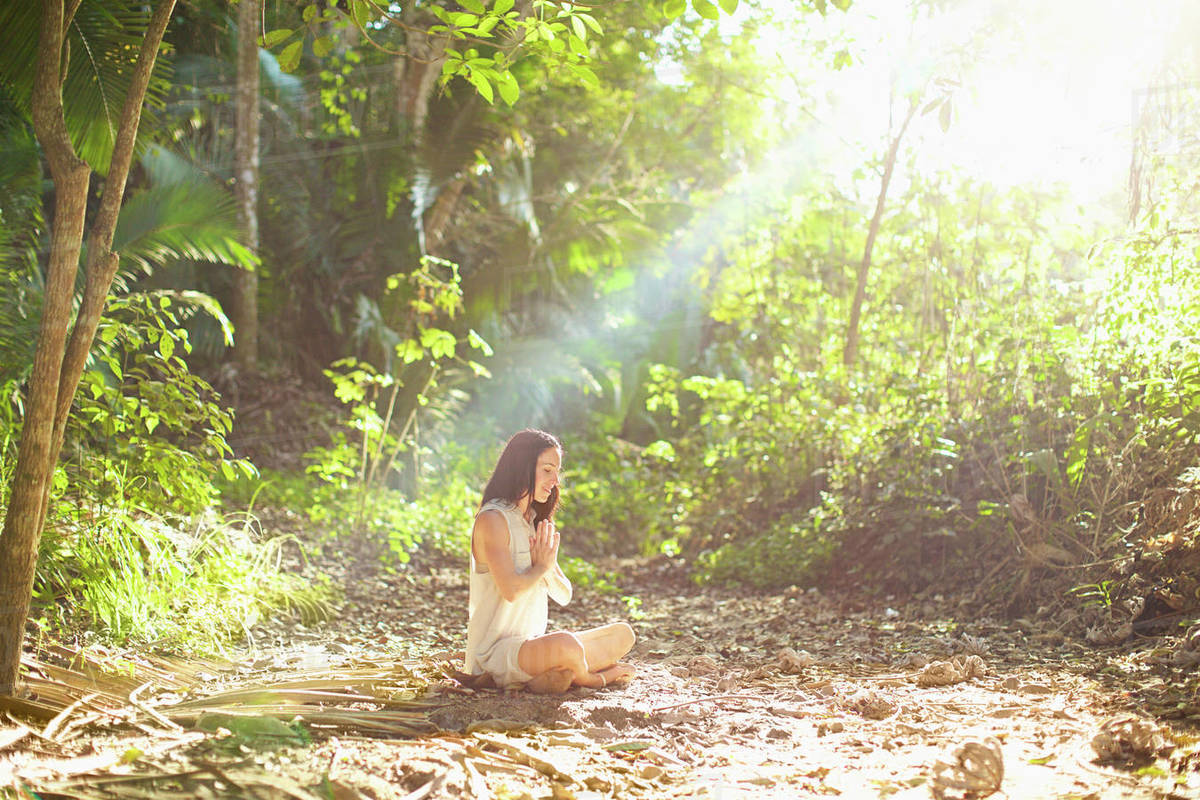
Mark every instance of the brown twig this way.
pixel 704 700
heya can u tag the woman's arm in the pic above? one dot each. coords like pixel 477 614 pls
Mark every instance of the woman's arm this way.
pixel 490 540
pixel 559 585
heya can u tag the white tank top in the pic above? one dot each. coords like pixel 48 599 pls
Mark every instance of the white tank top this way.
pixel 491 618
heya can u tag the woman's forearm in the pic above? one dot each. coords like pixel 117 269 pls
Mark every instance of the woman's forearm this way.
pixel 558 586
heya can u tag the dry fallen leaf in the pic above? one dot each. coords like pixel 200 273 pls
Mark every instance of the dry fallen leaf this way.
pixel 956 670
pixel 1129 738
pixel 792 662
pixel 977 770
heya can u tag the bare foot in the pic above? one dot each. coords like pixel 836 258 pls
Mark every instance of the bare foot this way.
pixel 619 674
pixel 552 681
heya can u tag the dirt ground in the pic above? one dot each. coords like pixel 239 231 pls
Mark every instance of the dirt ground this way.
pixel 741 695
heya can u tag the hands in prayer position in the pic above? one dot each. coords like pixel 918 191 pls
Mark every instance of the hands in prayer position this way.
pixel 543 547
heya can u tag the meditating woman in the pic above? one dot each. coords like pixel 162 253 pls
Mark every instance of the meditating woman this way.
pixel 514 569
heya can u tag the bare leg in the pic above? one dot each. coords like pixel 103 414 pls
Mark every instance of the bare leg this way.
pixel 588 658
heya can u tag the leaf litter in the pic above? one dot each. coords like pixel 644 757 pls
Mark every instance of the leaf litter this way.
pixel 740 694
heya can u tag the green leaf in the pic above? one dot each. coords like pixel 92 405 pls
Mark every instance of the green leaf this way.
pixel 289 59
pixel 441 343
pixel 277 36
pixel 322 46
pixel 166 347
pixel 729 6
pixel 503 6
pixel 474 6
pixel 579 28
pixel 944 116
pixel 410 350
pixel 706 9
pixel 478 342
pixel 590 21
pixel 674 8
pixel 481 84
pixel 360 12
pixel 585 74
pixel 309 13
pixel 508 87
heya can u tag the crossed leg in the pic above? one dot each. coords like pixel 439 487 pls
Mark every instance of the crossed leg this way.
pixel 588 658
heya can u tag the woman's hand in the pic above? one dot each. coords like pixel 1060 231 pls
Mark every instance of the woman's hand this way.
pixel 543 548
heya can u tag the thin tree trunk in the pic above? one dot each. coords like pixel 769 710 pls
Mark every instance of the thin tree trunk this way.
pixel 245 282
pixel 58 364
pixel 850 353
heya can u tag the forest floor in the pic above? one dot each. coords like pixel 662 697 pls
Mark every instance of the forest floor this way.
pixel 740 695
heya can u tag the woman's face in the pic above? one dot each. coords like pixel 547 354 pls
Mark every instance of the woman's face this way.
pixel 546 473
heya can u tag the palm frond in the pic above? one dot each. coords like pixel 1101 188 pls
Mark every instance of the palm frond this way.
pixel 103 42
pixel 190 219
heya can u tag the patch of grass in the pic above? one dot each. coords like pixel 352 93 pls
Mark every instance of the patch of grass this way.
pixel 191 584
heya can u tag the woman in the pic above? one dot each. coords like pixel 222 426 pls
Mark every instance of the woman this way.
pixel 514 569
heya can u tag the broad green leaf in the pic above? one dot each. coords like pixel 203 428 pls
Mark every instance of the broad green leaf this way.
pixel 585 74
pixel 289 59
pixel 360 12
pixel 481 84
pixel 503 6
pixel 674 8
pixel 410 350
pixel 706 9
pixel 579 28
pixel 277 36
pixel 322 46
pixel 590 21
pixel 729 6
pixel 474 6
pixel 508 87
pixel 309 13
pixel 166 347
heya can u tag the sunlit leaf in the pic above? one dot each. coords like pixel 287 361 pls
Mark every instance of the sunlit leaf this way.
pixel 277 36
pixel 322 46
pixel 706 9
pixel 674 8
pixel 474 6
pixel 508 87
pixel 478 342
pixel 481 84
pixel 289 59
pixel 729 6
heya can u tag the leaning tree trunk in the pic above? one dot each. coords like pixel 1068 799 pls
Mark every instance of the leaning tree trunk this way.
pixel 58 363
pixel 850 352
pixel 245 281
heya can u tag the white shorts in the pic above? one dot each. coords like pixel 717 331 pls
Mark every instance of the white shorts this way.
pixel 501 662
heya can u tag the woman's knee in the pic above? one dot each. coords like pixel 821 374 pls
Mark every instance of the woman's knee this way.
pixel 559 649
pixel 625 635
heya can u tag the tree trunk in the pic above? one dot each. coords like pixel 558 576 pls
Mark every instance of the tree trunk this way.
pixel 850 353
pixel 58 364
pixel 245 282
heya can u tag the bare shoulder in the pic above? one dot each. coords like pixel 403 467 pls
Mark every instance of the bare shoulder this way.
pixel 491 527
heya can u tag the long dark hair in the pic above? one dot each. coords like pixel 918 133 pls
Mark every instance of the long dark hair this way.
pixel 515 474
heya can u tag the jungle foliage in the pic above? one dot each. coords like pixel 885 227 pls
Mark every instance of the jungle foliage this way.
pixel 595 223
